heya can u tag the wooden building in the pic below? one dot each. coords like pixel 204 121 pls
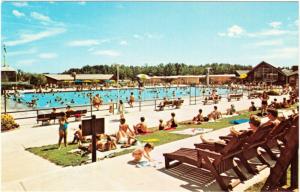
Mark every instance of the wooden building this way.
pixel 293 79
pixel 8 74
pixel 78 78
pixel 265 72
pixel 191 79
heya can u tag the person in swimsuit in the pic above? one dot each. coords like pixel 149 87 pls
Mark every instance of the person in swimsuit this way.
pixel 97 101
pixel 252 107
pixel 172 123
pixel 198 118
pixel 125 135
pixel 264 102
pixel 139 154
pixel 63 131
pixel 215 114
pixel 161 125
pixel 121 109
pixel 131 100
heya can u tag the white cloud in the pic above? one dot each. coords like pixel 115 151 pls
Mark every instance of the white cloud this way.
pixel 81 3
pixel 123 42
pixel 26 62
pixel 233 31
pixel 47 55
pixel 26 52
pixel 275 32
pixel 20 4
pixel 87 42
pixel 237 31
pixel 275 24
pixel 40 17
pixel 297 22
pixel 269 43
pixel 27 38
pixel 79 43
pixel 18 13
pixel 110 53
pixel 283 53
pixel 147 36
pixel 152 36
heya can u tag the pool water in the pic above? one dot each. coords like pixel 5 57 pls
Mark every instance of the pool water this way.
pixel 62 99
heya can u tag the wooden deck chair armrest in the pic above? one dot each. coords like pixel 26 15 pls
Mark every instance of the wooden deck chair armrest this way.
pixel 209 146
pixel 226 137
pixel 207 153
pixel 219 145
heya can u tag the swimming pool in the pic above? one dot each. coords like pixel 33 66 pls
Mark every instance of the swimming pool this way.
pixel 72 98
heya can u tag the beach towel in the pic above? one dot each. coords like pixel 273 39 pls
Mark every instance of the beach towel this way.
pixel 170 128
pixel 239 121
pixel 151 140
pixel 143 164
pixel 144 133
pixel 192 131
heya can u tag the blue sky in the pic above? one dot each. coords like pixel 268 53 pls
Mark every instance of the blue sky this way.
pixel 55 36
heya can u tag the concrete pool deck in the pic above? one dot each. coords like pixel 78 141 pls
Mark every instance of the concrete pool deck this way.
pixel 23 171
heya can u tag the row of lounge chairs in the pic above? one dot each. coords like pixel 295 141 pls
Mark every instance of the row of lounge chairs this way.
pixel 171 103
pixel 217 99
pixel 45 118
pixel 235 154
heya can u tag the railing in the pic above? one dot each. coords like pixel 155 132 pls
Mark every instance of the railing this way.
pixel 193 99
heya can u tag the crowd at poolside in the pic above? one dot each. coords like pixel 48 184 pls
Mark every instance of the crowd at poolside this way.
pixel 108 98
pixel 126 136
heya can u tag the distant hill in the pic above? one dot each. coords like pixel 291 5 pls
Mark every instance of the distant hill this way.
pixel 130 72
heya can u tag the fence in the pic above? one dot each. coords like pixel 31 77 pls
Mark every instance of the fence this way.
pixel 195 97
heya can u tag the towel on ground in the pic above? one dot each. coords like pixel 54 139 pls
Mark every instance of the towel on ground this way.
pixel 192 131
pixel 239 121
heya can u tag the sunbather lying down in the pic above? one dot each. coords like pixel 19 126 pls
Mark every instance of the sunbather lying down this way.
pixel 254 123
pixel 104 143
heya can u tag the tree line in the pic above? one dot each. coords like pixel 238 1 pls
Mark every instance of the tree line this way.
pixel 130 72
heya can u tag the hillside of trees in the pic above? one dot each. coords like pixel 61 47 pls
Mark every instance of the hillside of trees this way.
pixel 130 72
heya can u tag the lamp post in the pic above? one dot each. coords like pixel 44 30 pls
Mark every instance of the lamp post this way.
pixel 118 91
pixel 207 75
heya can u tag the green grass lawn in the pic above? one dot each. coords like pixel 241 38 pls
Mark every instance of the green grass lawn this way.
pixel 59 157
pixel 63 158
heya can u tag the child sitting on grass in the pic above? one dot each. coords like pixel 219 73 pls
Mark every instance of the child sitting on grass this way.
pixel 143 154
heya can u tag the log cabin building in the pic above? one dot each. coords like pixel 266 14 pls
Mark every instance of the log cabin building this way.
pixel 265 72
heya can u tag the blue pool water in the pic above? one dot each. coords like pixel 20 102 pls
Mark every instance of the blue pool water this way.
pixel 62 99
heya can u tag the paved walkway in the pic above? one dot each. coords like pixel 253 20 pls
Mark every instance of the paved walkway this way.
pixel 22 170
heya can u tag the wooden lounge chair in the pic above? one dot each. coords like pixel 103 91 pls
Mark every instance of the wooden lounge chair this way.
pixel 171 103
pixel 229 141
pixel 215 162
pixel 276 138
pixel 254 95
pixel 44 118
pixel 277 177
pixel 235 96
pixel 210 100
pixel 249 150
